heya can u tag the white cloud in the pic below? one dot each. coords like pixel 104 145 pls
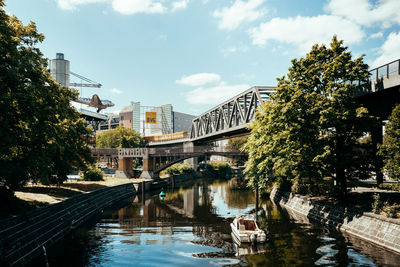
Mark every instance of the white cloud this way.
pixel 116 91
pixel 233 49
pixel 389 51
pixel 199 79
pixel 214 95
pixel 376 35
pixel 363 12
pixel 179 5
pixel 72 4
pixel 303 32
pixel 126 7
pixel 240 12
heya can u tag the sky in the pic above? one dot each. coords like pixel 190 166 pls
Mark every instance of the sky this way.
pixel 195 54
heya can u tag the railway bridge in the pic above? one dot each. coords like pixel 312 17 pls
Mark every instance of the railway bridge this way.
pixel 231 118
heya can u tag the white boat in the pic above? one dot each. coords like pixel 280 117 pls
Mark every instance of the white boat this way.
pixel 245 230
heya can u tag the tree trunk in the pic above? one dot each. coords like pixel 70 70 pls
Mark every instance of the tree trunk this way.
pixel 340 174
pixel 377 138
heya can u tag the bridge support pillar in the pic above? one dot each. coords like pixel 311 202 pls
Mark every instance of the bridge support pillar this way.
pixel 148 168
pixel 124 168
pixel 189 147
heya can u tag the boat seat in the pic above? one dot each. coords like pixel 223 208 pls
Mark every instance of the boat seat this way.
pixel 250 225
pixel 242 227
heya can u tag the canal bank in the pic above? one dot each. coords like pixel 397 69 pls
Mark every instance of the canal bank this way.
pixel 25 237
pixel 381 231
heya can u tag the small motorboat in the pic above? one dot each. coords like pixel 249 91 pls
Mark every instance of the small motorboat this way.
pixel 245 230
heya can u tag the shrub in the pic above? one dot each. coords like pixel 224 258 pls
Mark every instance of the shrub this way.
pixel 390 210
pixel 221 167
pixel 92 174
pixel 393 187
pixel 377 204
pixel 179 168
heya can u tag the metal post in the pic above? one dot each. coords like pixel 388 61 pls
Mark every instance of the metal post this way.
pixel 256 195
pixel 387 71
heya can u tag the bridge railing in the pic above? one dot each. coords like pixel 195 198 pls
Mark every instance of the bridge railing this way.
pixel 377 77
pixel 172 151
pixel 385 70
pixel 97 152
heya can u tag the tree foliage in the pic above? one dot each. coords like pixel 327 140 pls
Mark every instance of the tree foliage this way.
pixel 42 136
pixel 92 173
pixel 119 137
pixel 236 143
pixel 390 149
pixel 309 128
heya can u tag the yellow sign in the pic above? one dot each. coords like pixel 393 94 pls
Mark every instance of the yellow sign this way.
pixel 151 117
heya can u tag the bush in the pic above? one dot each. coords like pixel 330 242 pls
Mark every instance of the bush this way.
pixel 179 168
pixel 393 187
pixel 390 210
pixel 92 174
pixel 377 204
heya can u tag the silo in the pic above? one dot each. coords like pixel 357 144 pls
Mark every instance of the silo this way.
pixel 59 69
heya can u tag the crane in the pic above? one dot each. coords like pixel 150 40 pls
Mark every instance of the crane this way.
pixel 89 83
pixel 95 100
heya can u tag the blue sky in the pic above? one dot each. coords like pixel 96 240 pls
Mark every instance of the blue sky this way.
pixel 194 54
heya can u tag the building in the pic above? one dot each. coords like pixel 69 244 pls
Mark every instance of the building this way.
pixel 112 122
pixel 152 121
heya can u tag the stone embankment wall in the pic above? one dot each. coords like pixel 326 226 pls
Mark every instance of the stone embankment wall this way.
pixel 21 239
pixel 384 232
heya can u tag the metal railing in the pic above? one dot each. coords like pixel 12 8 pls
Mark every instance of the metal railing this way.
pixel 385 70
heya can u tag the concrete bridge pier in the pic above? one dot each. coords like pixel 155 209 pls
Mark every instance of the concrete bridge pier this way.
pixel 189 147
pixel 124 168
pixel 148 168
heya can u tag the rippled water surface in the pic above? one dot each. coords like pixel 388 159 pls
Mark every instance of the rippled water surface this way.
pixel 191 228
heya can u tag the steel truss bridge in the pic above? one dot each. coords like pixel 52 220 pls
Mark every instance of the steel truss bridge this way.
pixel 230 117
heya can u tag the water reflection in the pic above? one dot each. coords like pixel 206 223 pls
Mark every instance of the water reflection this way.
pixel 191 227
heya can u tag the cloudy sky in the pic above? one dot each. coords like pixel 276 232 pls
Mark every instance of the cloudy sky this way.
pixel 194 54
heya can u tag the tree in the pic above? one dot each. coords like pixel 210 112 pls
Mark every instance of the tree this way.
pixel 42 136
pixel 236 144
pixel 309 128
pixel 390 149
pixel 119 137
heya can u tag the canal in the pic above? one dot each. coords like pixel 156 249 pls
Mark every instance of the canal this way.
pixel 191 228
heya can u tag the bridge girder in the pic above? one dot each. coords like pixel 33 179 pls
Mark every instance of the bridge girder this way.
pixel 232 115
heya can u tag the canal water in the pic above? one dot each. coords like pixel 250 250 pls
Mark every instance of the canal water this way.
pixel 191 228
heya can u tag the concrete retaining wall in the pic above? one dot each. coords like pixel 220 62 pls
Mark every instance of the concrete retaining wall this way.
pixel 21 239
pixel 384 232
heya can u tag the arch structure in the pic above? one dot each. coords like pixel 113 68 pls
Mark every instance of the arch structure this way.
pixel 157 159
pixel 230 117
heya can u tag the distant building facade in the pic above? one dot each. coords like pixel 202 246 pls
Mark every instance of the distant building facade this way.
pixel 152 121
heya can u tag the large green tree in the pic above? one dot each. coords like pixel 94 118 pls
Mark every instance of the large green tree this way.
pixel 390 149
pixel 119 137
pixel 310 127
pixel 42 136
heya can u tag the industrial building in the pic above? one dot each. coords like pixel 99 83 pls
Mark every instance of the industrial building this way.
pixel 151 121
